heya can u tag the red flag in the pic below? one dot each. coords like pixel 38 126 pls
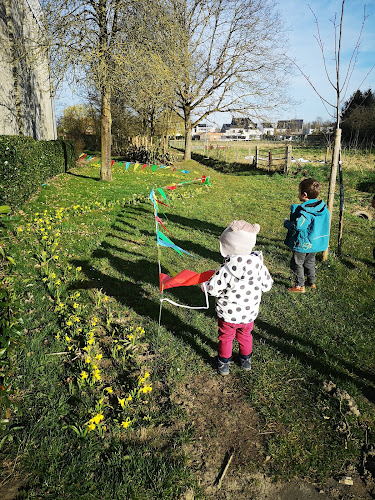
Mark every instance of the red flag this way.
pixel 112 162
pixel 173 186
pixel 161 222
pixel 144 166
pixel 184 278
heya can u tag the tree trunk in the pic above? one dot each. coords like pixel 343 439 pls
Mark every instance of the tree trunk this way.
pixel 332 180
pixel 106 122
pixel 187 155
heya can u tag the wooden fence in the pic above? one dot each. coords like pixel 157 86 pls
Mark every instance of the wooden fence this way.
pixel 271 160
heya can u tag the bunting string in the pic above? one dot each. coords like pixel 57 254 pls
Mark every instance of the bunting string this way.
pixel 185 277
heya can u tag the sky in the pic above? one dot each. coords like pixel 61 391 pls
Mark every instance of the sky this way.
pixel 305 52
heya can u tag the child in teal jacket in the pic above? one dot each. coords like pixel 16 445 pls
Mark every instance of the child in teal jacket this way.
pixel 308 233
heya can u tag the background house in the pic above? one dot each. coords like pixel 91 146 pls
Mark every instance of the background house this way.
pixel 240 129
pixel 268 129
pixel 26 104
pixel 289 129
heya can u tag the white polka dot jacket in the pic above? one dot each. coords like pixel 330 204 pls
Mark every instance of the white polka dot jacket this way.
pixel 238 285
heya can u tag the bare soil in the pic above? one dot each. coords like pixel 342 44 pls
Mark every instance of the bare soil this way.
pixel 226 429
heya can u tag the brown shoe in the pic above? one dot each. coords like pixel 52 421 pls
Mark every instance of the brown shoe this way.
pixel 313 286
pixel 298 289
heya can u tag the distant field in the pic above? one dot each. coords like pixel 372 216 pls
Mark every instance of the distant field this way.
pixel 244 151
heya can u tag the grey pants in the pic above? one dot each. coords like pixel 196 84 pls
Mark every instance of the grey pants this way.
pixel 301 264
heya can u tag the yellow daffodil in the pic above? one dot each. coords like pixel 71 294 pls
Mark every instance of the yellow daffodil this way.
pixel 98 418
pixel 121 402
pixel 99 357
pixel 84 375
pixel 75 305
pixel 129 398
pixel 91 426
pixel 109 390
pixel 146 389
pixel 69 322
pixel 126 424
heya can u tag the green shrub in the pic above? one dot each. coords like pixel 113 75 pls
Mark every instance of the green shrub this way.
pixel 25 164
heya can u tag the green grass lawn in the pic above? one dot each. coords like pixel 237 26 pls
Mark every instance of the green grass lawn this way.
pixel 93 295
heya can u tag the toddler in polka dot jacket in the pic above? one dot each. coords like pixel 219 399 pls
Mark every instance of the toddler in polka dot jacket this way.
pixel 238 285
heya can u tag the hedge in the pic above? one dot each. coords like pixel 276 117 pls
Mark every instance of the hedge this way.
pixel 25 164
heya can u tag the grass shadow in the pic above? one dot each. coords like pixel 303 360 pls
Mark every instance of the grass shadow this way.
pixel 287 344
pixel 83 176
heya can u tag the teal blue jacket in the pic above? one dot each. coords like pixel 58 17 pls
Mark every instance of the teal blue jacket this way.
pixel 308 227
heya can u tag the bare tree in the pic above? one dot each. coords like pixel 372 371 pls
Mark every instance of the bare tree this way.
pixel 92 41
pixel 339 82
pixel 230 58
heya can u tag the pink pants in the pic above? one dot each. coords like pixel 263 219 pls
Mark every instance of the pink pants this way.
pixel 228 331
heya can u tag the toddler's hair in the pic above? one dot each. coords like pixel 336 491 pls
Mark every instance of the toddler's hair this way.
pixel 311 187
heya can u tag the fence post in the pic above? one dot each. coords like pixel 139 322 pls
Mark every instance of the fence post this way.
pixel 326 156
pixel 256 157
pixel 288 156
pixel 269 160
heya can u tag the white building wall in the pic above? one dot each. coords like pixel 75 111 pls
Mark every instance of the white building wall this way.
pixel 29 73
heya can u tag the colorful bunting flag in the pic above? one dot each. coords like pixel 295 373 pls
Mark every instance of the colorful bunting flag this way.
pixel 164 241
pixel 184 278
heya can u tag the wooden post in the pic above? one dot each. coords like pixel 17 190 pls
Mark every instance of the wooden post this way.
pixel 269 160
pixel 332 181
pixel 326 155
pixel 288 158
pixel 341 214
pixel 217 150
pixel 256 157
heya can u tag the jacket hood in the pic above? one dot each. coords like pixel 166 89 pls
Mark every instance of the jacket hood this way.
pixel 314 207
pixel 239 269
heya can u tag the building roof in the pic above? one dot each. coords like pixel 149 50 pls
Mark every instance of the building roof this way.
pixel 290 124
